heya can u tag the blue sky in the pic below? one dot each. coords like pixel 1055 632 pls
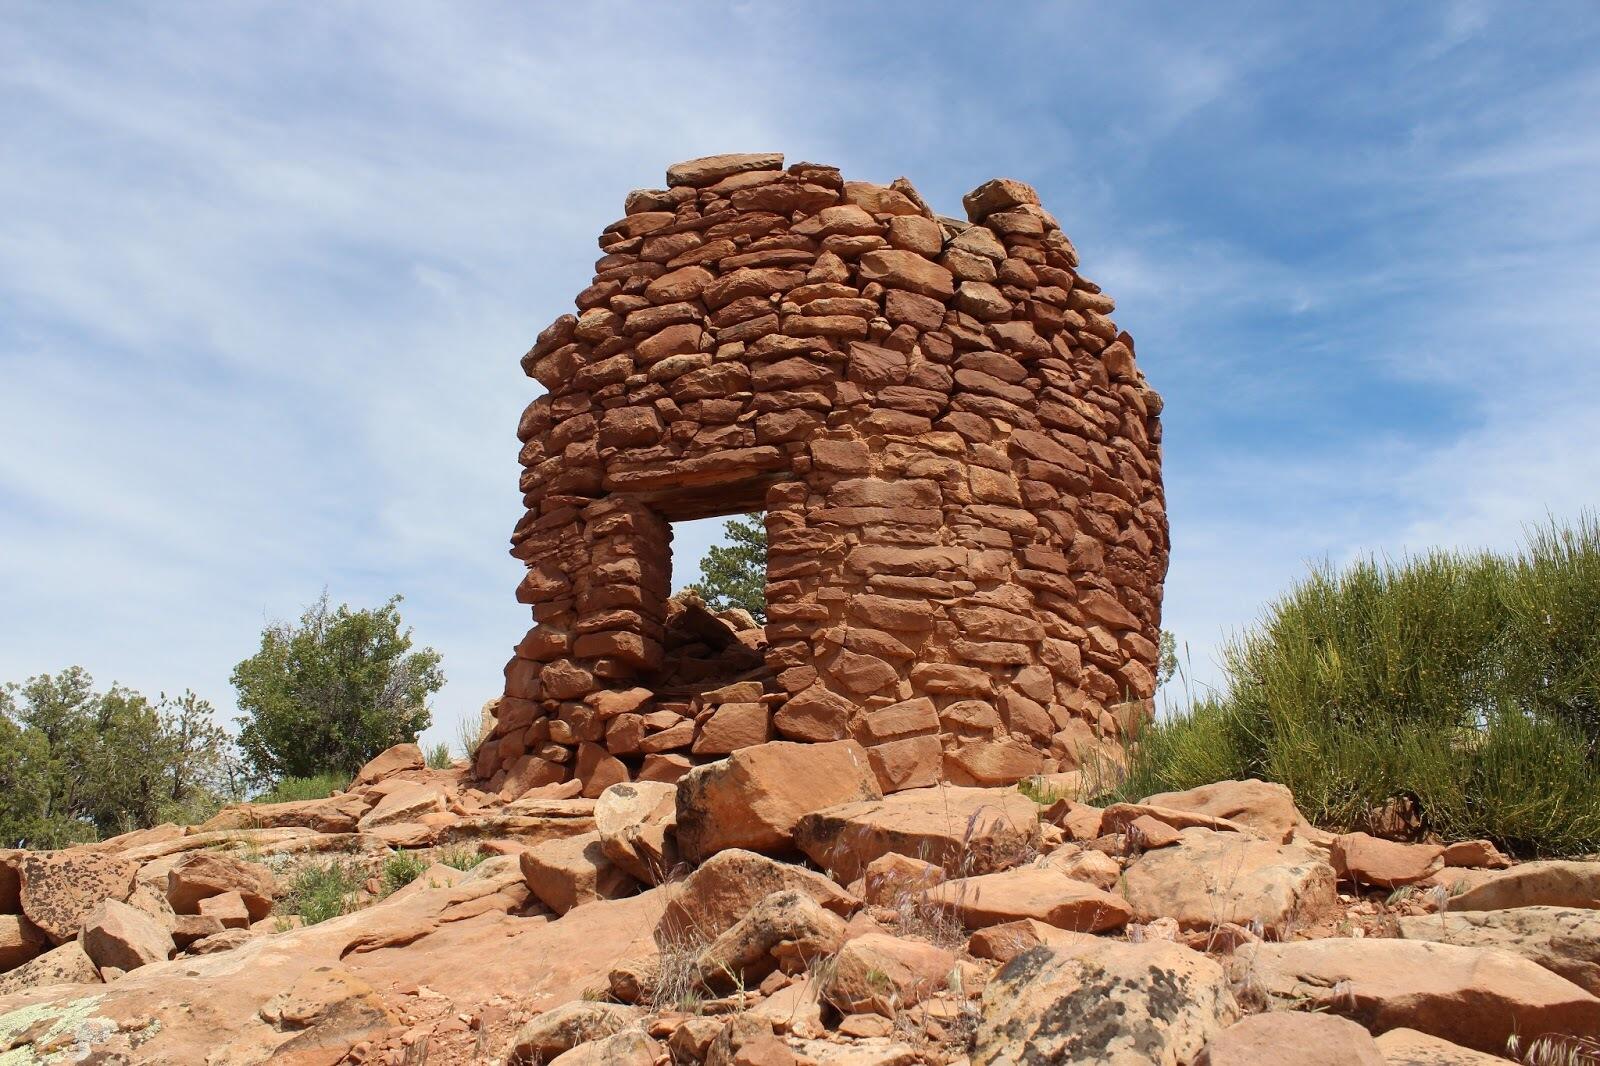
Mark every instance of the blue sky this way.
pixel 266 272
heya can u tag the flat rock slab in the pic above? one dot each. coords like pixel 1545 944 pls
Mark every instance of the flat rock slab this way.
pixel 1039 892
pixel 963 830
pixel 1477 997
pixel 1208 879
pixel 1532 884
pixel 1292 1038
pixel 1264 806
pixel 754 798
pixel 1369 860
pixel 1407 1047
pixel 1105 1002
pixel 1564 940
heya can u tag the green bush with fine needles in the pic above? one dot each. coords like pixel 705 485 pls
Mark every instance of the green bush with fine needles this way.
pixel 1471 681
pixel 400 869
pixel 323 890
pixel 303 788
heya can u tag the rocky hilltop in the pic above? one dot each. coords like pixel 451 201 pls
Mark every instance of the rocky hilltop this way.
pixel 777 907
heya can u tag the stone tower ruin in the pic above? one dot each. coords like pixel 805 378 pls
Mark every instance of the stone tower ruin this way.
pixel 957 460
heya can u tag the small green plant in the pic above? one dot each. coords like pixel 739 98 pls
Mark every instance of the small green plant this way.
pixel 438 756
pixel 323 890
pixel 460 856
pixel 290 789
pixel 400 869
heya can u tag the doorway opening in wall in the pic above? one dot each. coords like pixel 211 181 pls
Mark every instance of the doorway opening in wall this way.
pixel 714 629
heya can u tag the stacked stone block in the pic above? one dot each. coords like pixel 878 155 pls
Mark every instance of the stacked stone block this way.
pixel 958 461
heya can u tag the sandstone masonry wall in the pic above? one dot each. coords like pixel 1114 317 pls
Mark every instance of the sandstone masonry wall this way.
pixel 958 461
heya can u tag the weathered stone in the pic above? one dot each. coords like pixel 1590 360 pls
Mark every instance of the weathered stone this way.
pixel 880 974
pixel 1038 892
pixel 1564 940
pixel 202 874
pixel 1369 860
pixel 1408 1047
pixel 725 888
pixel 1477 997
pixel 564 1027
pixel 566 873
pixel 1553 883
pixel 962 830
pixel 708 170
pixel 1292 1038
pixel 67 964
pixel 115 934
pixel 755 797
pixel 1103 1001
pixel 387 763
pixel 20 940
pixel 1210 878
pixel 636 823
pixel 1264 806
pixel 58 890
pixel 786 929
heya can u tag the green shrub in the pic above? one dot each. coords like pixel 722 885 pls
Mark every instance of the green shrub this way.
pixel 1471 682
pixel 303 788
pixel 400 869
pixel 461 856
pixel 438 756
pixel 323 890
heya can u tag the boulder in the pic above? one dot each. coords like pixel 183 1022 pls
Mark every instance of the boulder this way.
pixel 563 1028
pixel 1103 1001
pixel 229 909
pixel 1553 883
pixel 1078 821
pixel 1086 864
pixel 637 823
pixel 890 879
pixel 58 889
pixel 566 873
pixel 187 928
pixel 1210 878
pixel 963 830
pixel 880 974
pixel 1119 816
pixel 115 934
pixel 10 880
pixel 754 798
pixel 1475 854
pixel 787 930
pixel 385 764
pixel 1370 860
pixel 20 940
pixel 1407 1047
pixel 1292 1038
pixel 226 940
pixel 1148 834
pixel 1478 997
pixel 631 1047
pixel 1038 892
pixel 200 875
pixel 68 964
pixel 1264 806
pixel 1564 940
pixel 1004 942
pixel 724 889
pixel 404 802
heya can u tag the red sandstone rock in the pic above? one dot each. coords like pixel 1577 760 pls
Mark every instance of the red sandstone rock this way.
pixel 1031 892
pixel 1369 860
pixel 755 798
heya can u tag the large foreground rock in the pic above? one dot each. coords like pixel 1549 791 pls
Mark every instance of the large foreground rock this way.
pixel 727 886
pixel 1369 860
pixel 754 798
pixel 1292 1038
pixel 567 873
pixel 1473 996
pixel 1533 884
pixel 964 830
pixel 68 964
pixel 20 940
pixel 58 889
pixel 1039 892
pixel 881 974
pixel 1408 1047
pixel 637 823
pixel 1105 1002
pixel 115 934
pixel 202 874
pixel 1564 940
pixel 1210 878
pixel 1264 806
